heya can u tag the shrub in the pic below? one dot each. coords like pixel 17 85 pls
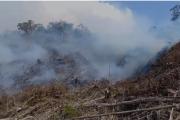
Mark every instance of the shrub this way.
pixel 70 111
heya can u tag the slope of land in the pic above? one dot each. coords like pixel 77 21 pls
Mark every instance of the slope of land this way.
pixel 151 96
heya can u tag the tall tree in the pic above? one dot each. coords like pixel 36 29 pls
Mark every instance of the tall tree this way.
pixel 27 27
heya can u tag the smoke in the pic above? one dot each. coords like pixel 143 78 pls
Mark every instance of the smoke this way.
pixel 115 45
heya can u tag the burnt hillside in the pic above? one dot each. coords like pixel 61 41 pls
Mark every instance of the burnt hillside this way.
pixel 164 74
pixel 57 101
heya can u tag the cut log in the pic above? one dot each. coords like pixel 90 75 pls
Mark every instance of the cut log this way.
pixel 127 112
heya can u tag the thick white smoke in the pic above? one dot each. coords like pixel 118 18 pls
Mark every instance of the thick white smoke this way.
pixel 119 33
pixel 122 41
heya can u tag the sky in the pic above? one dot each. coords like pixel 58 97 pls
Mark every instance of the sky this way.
pixel 13 12
pixel 156 11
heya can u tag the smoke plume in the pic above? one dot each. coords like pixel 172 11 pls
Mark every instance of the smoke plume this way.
pixel 114 42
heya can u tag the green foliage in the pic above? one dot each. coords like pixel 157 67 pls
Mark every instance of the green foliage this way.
pixel 70 111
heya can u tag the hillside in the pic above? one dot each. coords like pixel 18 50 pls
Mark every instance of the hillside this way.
pixel 152 93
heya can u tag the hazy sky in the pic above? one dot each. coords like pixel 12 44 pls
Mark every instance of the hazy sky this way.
pixel 154 10
pixel 13 12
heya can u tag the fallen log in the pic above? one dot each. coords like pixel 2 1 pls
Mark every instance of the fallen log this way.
pixel 140 100
pixel 127 112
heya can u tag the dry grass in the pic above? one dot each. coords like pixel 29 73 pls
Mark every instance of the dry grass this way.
pixel 57 101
